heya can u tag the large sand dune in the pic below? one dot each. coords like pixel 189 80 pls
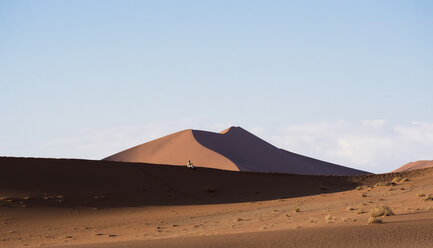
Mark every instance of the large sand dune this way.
pixel 232 149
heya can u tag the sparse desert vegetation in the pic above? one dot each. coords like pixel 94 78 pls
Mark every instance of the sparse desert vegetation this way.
pixel 373 220
pixel 428 198
pixel 381 210
pixel 379 184
pixel 328 218
pixel 420 194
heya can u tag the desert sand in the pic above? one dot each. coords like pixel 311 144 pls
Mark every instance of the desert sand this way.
pixel 85 203
pixel 233 149
pixel 422 164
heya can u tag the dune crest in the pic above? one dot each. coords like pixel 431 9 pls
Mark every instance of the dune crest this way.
pixel 421 164
pixel 233 149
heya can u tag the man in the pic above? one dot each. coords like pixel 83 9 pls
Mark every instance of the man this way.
pixel 190 165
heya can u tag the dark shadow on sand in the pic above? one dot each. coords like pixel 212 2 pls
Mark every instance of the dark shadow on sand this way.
pixel 73 183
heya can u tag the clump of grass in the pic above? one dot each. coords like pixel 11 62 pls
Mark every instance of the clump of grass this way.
pixel 359 211
pixel 380 211
pixel 404 180
pixel 296 209
pixel 358 188
pixel 428 198
pixel 363 195
pixel 373 220
pixel 396 179
pixel 384 184
pixel 420 194
pixel 328 218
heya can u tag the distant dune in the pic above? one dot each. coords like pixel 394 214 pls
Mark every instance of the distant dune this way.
pixel 233 149
pixel 422 164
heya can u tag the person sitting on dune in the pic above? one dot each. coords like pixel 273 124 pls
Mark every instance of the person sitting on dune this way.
pixel 190 165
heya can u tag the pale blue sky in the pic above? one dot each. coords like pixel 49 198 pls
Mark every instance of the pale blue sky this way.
pixel 69 66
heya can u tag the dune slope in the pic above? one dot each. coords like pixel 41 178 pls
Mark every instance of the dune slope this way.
pixel 422 164
pixel 174 149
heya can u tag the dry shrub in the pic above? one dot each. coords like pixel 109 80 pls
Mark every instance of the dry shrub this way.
pixel 428 198
pixel 379 211
pixel 404 180
pixel 420 194
pixel 373 220
pixel 384 184
pixel 363 195
pixel 328 218
pixel 296 209
pixel 396 179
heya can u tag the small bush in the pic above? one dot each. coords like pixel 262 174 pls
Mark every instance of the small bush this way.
pixel 404 180
pixel 296 209
pixel 384 184
pixel 428 198
pixel 363 195
pixel 328 218
pixel 358 188
pixel 373 220
pixel 379 211
pixel 396 179
pixel 420 194
pixel 359 211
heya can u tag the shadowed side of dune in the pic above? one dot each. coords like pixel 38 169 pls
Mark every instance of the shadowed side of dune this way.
pixel 104 184
pixel 250 153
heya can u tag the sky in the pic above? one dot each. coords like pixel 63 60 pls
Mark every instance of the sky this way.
pixel 349 82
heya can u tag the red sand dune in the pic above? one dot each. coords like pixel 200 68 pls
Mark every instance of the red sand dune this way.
pixel 232 149
pixel 422 164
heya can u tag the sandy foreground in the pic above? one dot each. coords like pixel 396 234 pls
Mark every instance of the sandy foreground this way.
pixel 79 203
